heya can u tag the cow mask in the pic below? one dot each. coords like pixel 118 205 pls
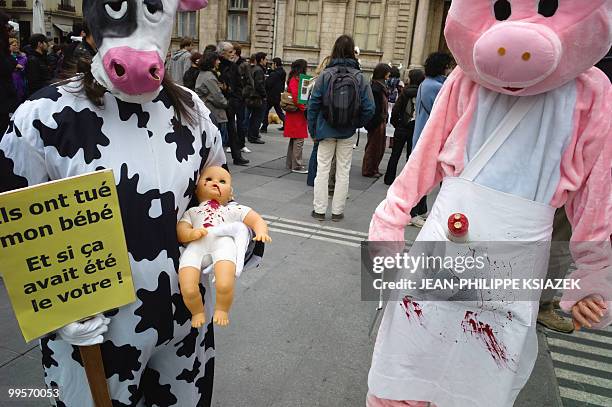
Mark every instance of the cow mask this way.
pixel 528 47
pixel 132 37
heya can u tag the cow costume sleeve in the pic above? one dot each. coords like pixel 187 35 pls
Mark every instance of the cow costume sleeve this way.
pixel 22 159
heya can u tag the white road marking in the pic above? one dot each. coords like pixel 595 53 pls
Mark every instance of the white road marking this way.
pixel 594 399
pixel 567 344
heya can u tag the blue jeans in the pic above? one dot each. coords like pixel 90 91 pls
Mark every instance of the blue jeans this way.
pixel 224 136
pixel 312 165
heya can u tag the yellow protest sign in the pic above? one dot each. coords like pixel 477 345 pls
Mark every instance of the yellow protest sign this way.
pixel 63 255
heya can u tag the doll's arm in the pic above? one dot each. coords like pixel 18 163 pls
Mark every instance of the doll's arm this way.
pixel 422 171
pixel 187 233
pixel 259 226
pixel 587 183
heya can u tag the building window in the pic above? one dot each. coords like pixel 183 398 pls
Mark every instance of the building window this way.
pixel 367 24
pixel 186 24
pixel 66 5
pixel 306 22
pixel 238 20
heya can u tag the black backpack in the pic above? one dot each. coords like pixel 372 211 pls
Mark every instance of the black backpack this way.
pixel 342 102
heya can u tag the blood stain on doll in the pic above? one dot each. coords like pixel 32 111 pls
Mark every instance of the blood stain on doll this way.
pixel 485 334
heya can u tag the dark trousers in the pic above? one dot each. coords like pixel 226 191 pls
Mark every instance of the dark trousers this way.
pixel 401 137
pixel 420 208
pixel 257 115
pixel 241 125
pixel 232 132
pixel 277 109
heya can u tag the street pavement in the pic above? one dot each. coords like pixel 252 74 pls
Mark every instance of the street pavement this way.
pixel 299 331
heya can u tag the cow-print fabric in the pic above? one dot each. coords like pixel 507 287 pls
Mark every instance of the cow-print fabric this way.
pixel 151 354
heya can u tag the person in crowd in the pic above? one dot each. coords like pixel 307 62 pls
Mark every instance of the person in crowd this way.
pixel 395 86
pixel 208 88
pixel 375 147
pixel 180 61
pixel 559 263
pixel 402 118
pixel 210 48
pixel 246 79
pixel 242 124
pixel 189 79
pixel 86 49
pixel 56 60
pixel 8 101
pixel 437 68
pixel 335 137
pixel 257 98
pixel 275 85
pixel 19 77
pixel 296 126
pixel 38 71
pixel 230 75
pixel 312 162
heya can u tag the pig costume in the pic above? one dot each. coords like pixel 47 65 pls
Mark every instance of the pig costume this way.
pixel 520 128
pixel 151 354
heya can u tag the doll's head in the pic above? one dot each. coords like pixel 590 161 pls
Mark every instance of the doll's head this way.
pixel 132 37
pixel 215 183
pixel 527 47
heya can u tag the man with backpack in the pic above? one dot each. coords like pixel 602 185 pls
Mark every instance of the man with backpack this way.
pixel 341 101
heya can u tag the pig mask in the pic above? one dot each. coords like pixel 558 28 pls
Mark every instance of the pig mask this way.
pixel 132 37
pixel 528 47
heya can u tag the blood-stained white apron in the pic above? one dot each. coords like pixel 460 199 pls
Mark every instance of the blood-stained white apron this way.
pixel 477 353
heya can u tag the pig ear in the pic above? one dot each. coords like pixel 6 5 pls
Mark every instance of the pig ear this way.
pixel 192 5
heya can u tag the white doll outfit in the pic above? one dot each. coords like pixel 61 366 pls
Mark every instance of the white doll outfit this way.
pixel 207 251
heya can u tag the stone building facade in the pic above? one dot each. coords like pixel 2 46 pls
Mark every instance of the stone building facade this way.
pixel 61 16
pixel 390 31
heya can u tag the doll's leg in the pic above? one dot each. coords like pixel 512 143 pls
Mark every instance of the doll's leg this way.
pixel 189 280
pixel 224 259
pixel 225 277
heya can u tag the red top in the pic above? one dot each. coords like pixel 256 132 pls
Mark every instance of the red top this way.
pixel 296 125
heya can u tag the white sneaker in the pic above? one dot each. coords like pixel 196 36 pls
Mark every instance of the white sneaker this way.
pixel 245 150
pixel 228 150
pixel 418 221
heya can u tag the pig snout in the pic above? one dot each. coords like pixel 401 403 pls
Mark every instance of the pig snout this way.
pixel 517 55
pixel 134 71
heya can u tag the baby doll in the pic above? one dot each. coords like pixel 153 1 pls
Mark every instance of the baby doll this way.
pixel 214 191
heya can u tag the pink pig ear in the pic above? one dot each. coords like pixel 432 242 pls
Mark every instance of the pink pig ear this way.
pixel 192 5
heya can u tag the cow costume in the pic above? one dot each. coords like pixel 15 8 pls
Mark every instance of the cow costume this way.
pixel 151 354
pixel 520 128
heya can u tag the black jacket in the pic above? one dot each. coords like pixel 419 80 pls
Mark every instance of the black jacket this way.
pixel 8 101
pixel 275 85
pixel 399 117
pixel 37 72
pixel 230 75
pixel 190 77
pixel 259 80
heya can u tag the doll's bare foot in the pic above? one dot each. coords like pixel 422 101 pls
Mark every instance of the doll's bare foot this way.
pixel 198 320
pixel 221 318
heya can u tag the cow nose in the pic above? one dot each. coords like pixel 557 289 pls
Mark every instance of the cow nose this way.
pixel 133 71
pixel 516 54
